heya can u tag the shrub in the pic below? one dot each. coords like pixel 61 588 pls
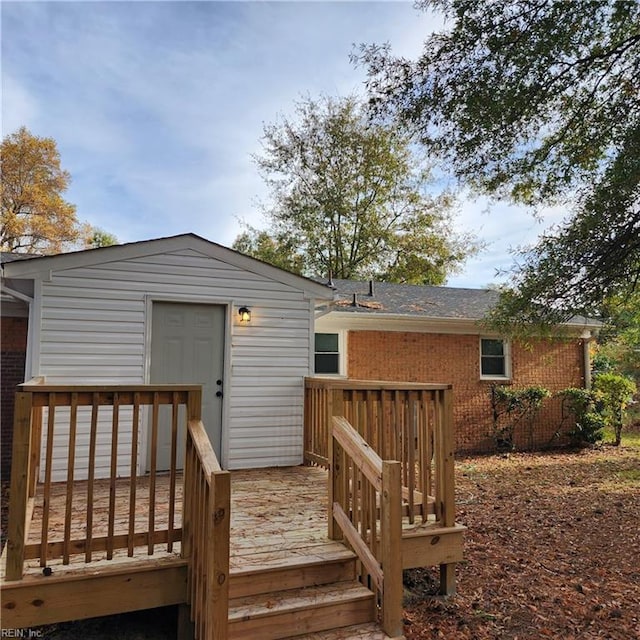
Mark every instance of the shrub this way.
pixel 612 394
pixel 512 408
pixel 579 405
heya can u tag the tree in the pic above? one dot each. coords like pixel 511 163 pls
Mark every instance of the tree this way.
pixel 536 101
pixel 95 238
pixel 618 346
pixel 277 251
pixel 350 198
pixel 614 393
pixel 35 216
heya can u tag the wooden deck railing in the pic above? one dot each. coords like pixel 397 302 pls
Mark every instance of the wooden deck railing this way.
pixel 113 411
pixel 411 423
pixel 74 415
pixel 207 497
pixel 365 508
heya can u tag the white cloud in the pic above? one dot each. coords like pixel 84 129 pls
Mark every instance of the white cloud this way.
pixel 158 106
pixel 19 108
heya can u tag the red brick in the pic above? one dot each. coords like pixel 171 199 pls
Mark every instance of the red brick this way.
pixel 13 332
pixel 455 359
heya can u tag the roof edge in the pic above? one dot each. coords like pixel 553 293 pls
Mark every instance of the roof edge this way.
pixel 36 266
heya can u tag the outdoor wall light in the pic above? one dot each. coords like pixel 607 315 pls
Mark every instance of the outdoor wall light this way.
pixel 245 315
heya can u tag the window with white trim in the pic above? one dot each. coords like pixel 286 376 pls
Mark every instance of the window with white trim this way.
pixel 494 358
pixel 327 353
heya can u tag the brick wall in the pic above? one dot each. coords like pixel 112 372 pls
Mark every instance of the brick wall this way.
pixel 13 345
pixel 455 359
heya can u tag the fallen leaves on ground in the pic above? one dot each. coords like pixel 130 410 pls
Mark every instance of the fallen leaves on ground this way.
pixel 552 550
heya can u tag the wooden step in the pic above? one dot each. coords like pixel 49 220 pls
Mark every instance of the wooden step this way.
pixel 269 572
pixel 427 546
pixel 368 631
pixel 295 612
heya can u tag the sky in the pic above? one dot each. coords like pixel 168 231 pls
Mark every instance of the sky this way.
pixel 158 107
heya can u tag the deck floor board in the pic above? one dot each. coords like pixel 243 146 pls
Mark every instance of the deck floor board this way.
pixel 276 514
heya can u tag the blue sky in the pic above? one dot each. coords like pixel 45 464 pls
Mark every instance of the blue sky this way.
pixel 157 107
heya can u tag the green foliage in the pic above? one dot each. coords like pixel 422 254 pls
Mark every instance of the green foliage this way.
pixel 96 238
pixel 278 251
pixel 349 198
pixel 619 342
pixel 613 393
pixel 579 406
pixel 511 408
pixel 536 102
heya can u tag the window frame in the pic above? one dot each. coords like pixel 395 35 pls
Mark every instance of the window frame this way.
pixel 506 357
pixel 341 354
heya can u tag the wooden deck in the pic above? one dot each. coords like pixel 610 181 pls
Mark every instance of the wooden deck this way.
pixel 275 514
pixel 263 554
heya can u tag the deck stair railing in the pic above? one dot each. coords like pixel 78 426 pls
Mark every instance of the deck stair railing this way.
pixel 408 422
pixel 205 540
pixel 365 509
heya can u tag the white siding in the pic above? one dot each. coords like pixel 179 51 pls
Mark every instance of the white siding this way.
pixel 94 328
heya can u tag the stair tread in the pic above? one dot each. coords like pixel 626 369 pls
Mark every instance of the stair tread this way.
pixel 296 599
pixel 270 560
pixel 368 631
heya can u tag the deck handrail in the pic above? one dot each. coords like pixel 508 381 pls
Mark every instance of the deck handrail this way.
pixel 73 410
pixel 409 422
pixel 365 508
pixel 206 509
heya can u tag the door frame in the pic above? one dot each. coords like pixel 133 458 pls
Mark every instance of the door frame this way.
pixel 226 367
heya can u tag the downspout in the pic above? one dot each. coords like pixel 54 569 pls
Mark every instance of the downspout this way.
pixel 587 339
pixel 24 298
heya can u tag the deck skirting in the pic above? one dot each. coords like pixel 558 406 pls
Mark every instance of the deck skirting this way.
pixel 90 592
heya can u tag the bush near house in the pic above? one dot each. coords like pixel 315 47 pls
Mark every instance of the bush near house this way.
pixel 580 413
pixel 612 394
pixel 514 409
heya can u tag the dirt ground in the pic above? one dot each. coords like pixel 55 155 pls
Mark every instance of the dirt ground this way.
pixel 552 551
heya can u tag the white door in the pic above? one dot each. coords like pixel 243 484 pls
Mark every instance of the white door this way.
pixel 187 347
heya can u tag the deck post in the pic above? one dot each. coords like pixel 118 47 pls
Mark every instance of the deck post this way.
pixel 194 405
pixel 447 485
pixel 335 401
pixel 20 477
pixel 218 555
pixel 391 529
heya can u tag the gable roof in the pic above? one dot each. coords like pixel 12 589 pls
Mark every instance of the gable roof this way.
pixel 419 301
pixel 37 266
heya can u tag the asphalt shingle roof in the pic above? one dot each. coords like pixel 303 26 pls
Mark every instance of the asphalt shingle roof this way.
pixel 414 300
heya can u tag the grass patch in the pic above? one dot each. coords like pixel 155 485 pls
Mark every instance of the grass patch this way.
pixel 630 437
pixel 629 475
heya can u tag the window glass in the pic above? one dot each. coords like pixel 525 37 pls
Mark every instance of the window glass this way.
pixel 492 347
pixel 327 342
pixel 493 362
pixel 327 354
pixel 327 363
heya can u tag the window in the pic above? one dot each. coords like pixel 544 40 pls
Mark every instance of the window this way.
pixel 327 353
pixel 494 358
